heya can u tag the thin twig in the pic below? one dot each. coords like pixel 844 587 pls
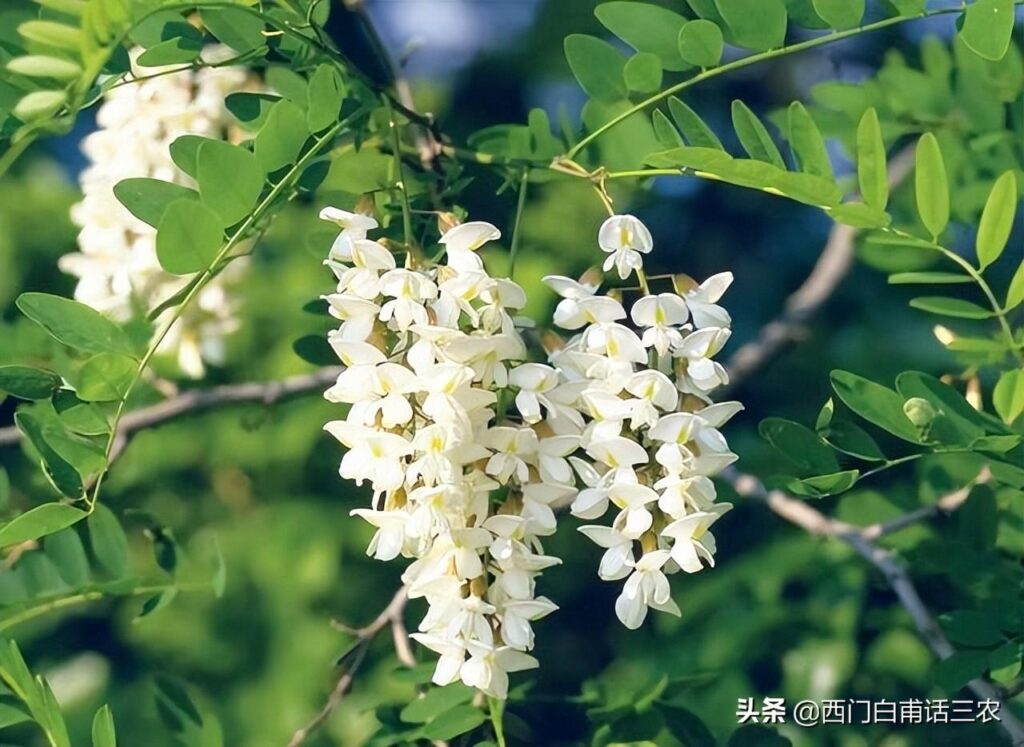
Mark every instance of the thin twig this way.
pixel 832 266
pixel 199 400
pixel 390 616
pixel 896 575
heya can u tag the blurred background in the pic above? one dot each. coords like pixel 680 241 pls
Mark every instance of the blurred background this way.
pixel 783 613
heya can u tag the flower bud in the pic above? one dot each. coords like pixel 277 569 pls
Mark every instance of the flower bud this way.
pixel 919 411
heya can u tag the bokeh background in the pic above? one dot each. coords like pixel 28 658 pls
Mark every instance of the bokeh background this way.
pixel 783 613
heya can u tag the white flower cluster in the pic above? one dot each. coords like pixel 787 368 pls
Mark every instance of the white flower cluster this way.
pixel 638 400
pixel 116 263
pixel 469 493
pixel 426 351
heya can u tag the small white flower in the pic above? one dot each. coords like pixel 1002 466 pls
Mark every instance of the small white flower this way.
pixel 692 542
pixel 617 560
pixel 646 587
pixel 488 667
pixel 702 301
pixel 661 315
pixel 625 238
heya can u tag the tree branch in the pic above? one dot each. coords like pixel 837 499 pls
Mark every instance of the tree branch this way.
pixel 390 616
pixel 831 268
pixel 198 400
pixel 896 575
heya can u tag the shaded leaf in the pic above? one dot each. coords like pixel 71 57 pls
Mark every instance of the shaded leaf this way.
pixel 875 403
pixel 807 142
pixel 108 540
pixel 754 135
pixel 26 382
pixel 955 307
pixel 755 24
pixel 230 180
pixel 147 199
pixel 694 129
pixel 106 377
pixel 800 444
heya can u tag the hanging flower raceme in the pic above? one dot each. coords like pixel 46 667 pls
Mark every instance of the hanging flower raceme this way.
pixel 116 265
pixel 427 350
pixel 633 387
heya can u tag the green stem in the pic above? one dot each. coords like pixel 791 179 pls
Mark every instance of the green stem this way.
pixel 497 712
pixel 520 205
pixel 747 61
pixel 986 289
pixel 205 277
pixel 85 597
pixel 396 152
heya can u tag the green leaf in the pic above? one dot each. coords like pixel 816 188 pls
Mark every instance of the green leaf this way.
pixel 685 726
pixel 75 324
pixel 875 403
pixel 282 136
pixel 288 83
pixel 188 238
pixel 147 199
pixel 953 673
pixel 597 66
pixel 177 695
pixel 25 382
pixel 106 377
pixel 643 73
pixel 185 152
pixel 851 439
pixel 757 736
pixel 1015 293
pixel 694 129
pixel 39 522
pixel 434 701
pixel 840 14
pixel 665 131
pixel 871 169
pixel 807 142
pixel 39 104
pixel 44 66
pixel 52 34
pixel 1005 662
pixel 800 444
pixel 230 180
pixel 176 51
pixel 250 109
pixel 997 220
pixel 646 28
pixel 5 489
pixel 859 215
pixel 909 7
pixel 970 628
pixel 958 421
pixel 955 307
pixel 103 726
pixel 754 135
pixel 1008 395
pixel 452 723
pixel 62 475
pixel 755 24
pixel 108 541
pixel 700 43
pixel 11 715
pixel 823 486
pixel 65 550
pixel 929 278
pixel 988 27
pixel 930 186
pixel 236 27
pixel 325 95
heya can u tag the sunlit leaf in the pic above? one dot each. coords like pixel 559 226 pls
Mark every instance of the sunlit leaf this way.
pixel 988 27
pixel 700 43
pixel 754 135
pixel 597 65
pixel 871 168
pixel 931 186
pixel 39 522
pixel 997 219
pixel 646 28
pixel 955 307
pixel 75 324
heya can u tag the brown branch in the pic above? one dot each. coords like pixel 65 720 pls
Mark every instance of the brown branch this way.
pixel 831 268
pixel 896 575
pixel 198 400
pixel 390 616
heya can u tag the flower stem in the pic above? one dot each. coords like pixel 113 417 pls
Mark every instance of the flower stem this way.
pixel 520 205
pixel 496 707
pixel 396 147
